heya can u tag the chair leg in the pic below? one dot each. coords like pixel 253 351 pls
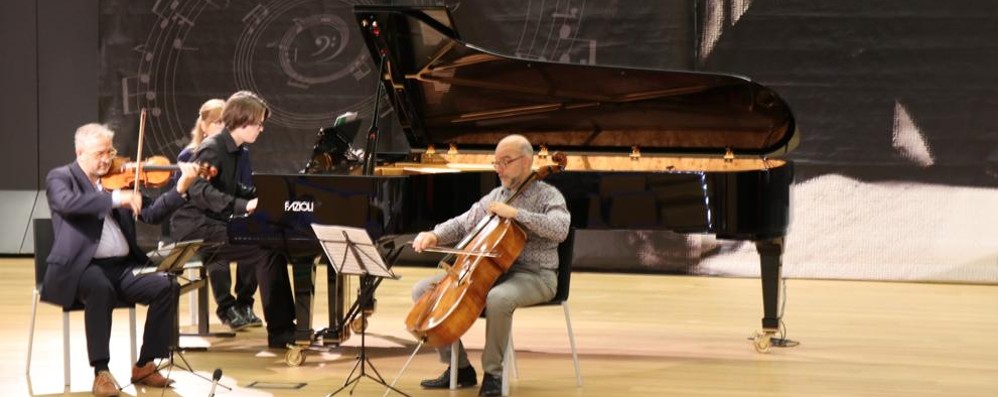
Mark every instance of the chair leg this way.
pixel 571 340
pixel 65 348
pixel 511 356
pixel 453 365
pixel 31 331
pixel 192 299
pixel 508 360
pixel 131 331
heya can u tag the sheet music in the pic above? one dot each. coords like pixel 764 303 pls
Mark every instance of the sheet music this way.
pixel 171 257
pixel 351 251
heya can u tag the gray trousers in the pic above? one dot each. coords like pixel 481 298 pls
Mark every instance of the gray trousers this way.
pixel 516 288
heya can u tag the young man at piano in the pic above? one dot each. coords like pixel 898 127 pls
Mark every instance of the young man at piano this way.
pixel 94 253
pixel 532 279
pixel 214 202
pixel 234 311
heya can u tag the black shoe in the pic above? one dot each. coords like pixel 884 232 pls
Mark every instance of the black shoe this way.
pixel 251 318
pixel 233 319
pixel 491 386
pixel 466 377
pixel 280 340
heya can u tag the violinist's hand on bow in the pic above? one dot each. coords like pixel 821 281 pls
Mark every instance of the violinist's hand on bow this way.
pixel 131 200
pixel 424 240
pixel 188 172
pixel 502 209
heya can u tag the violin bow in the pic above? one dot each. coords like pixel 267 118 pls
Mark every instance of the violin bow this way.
pixel 138 157
pixel 455 251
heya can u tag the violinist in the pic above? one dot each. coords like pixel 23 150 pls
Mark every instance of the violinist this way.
pixel 216 201
pixel 95 251
pixel 235 312
pixel 532 279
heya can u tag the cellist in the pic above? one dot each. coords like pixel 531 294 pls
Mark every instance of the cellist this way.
pixel 532 279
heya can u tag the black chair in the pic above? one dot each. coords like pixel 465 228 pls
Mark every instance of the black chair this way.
pixel 44 237
pixel 565 256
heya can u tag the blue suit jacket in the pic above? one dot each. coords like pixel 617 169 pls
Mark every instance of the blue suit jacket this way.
pixel 78 212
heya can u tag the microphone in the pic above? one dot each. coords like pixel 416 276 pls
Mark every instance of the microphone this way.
pixel 215 376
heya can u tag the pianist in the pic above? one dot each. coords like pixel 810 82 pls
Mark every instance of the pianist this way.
pixel 532 279
pixel 222 197
pixel 235 312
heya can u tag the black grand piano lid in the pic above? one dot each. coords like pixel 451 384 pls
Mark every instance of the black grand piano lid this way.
pixel 446 91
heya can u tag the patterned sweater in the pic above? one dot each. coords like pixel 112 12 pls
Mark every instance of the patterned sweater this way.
pixel 542 212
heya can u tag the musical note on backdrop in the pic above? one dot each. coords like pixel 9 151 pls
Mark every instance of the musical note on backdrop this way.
pixel 144 50
pixel 130 93
pixel 584 49
pixel 178 44
pixel 361 68
pixel 255 17
pixel 164 10
pixel 160 8
pixel 183 20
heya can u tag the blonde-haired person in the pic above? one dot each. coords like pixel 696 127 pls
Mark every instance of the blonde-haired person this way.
pixel 209 123
pixel 234 311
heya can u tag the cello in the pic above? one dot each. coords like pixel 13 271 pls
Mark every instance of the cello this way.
pixel 443 314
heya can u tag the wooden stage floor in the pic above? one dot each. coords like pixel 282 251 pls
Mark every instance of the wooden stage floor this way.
pixel 638 335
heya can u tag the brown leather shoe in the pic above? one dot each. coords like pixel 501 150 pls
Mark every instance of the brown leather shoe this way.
pixel 148 375
pixel 105 385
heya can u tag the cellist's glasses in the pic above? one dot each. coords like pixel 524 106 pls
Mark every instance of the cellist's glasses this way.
pixel 504 162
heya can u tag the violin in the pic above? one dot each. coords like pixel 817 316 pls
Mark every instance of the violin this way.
pixel 154 173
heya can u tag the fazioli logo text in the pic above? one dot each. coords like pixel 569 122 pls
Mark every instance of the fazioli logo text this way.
pixel 299 206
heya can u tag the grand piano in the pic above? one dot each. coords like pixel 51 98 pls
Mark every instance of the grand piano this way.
pixel 647 149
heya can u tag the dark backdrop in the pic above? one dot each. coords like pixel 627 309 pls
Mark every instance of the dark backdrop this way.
pixel 847 68
pixel 850 69
pixel 883 91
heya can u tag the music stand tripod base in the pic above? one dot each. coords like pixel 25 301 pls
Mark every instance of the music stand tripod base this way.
pixel 351 251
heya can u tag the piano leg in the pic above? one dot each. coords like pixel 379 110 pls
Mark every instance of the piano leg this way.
pixel 303 274
pixel 336 294
pixel 306 338
pixel 770 255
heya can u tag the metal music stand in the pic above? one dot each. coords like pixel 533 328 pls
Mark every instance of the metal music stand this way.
pixel 351 251
pixel 164 256
pixel 172 258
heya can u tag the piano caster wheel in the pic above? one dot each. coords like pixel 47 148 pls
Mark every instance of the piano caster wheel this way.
pixel 295 356
pixel 763 341
pixel 359 325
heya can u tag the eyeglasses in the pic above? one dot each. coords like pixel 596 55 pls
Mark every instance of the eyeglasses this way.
pixel 503 163
pixel 107 154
